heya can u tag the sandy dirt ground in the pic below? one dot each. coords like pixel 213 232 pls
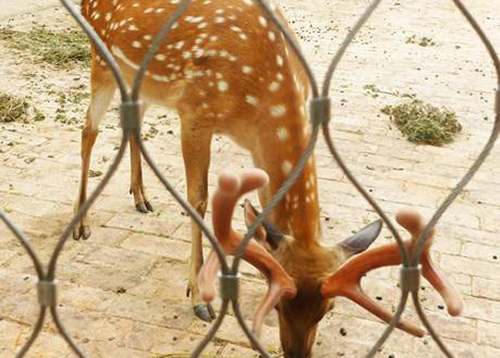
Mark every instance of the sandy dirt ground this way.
pixel 122 293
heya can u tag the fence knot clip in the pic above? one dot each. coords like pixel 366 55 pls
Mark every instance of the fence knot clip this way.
pixel 229 286
pixel 320 110
pixel 46 293
pixel 410 278
pixel 497 101
pixel 130 113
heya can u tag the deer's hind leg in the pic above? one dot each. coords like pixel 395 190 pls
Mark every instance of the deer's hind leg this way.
pixel 103 88
pixel 141 201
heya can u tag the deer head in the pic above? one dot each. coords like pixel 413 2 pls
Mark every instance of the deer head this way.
pixel 303 280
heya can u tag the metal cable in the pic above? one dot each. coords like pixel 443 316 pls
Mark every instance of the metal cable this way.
pixel 85 207
pixel 64 333
pixel 34 334
pixel 275 200
pixel 295 47
pixel 100 46
pixel 392 325
pixel 160 37
pixel 25 242
pixel 186 206
pixel 255 342
pixel 427 324
pixel 213 330
pixel 489 145
pixel 133 128
pixel 326 132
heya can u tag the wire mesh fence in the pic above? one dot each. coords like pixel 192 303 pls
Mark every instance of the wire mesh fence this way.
pixel 229 275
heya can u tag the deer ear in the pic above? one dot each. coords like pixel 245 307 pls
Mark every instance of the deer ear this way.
pixel 267 234
pixel 362 240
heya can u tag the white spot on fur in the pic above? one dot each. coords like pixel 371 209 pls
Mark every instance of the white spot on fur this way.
pixel 247 69
pixel 160 57
pixel 222 86
pixel 119 53
pixel 286 167
pixel 278 110
pixel 251 100
pixel 279 60
pixel 160 78
pixel 263 21
pixel 274 86
pixel 271 36
pixel 282 133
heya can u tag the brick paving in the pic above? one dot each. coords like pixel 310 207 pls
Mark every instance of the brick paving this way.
pixel 122 293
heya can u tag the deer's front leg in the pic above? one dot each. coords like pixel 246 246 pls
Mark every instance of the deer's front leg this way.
pixel 196 153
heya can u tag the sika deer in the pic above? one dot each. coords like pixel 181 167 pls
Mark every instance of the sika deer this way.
pixel 304 279
pixel 225 68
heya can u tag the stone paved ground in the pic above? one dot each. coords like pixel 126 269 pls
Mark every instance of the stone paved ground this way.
pixel 122 293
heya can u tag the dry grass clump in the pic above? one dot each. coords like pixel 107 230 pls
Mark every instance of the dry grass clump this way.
pixel 16 109
pixel 60 49
pixel 13 109
pixel 423 41
pixel 423 123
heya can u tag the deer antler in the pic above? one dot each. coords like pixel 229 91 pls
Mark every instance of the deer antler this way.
pixel 346 281
pixel 231 188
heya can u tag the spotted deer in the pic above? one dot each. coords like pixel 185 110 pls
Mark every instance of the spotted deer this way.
pixel 225 68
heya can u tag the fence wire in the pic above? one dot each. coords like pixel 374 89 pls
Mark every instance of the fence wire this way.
pixel 320 117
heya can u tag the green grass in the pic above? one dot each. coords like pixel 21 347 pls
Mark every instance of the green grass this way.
pixel 424 123
pixel 63 50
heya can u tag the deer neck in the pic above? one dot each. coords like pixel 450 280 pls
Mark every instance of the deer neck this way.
pixel 301 208
pixel 297 213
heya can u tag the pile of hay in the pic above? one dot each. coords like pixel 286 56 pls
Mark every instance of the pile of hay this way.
pixel 60 49
pixel 423 123
pixel 13 109
pixel 18 110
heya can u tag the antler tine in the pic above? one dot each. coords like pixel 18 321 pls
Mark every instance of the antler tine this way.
pixel 346 281
pixel 413 223
pixel 231 188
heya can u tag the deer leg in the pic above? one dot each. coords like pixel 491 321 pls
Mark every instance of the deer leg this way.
pixel 136 184
pixel 196 154
pixel 103 89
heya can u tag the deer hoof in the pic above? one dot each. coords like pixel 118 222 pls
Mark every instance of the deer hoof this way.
pixel 81 232
pixel 204 312
pixel 149 206
pixel 141 207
